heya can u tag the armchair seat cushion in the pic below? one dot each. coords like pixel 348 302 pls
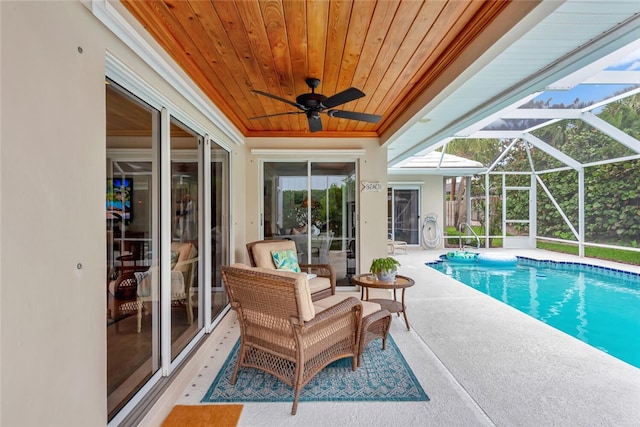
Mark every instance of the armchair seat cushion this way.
pixel 319 283
pixel 324 303
pixel 177 284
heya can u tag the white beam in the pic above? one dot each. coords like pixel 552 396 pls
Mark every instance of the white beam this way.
pixel 612 131
pixel 557 206
pixel 614 77
pixel 495 116
pixel 581 217
pixel 499 134
pixel 616 160
pixel 541 125
pixel 596 64
pixel 543 113
pixel 501 156
pixel 612 99
pixel 552 151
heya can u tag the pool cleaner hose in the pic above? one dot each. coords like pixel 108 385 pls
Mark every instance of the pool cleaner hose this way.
pixel 430 232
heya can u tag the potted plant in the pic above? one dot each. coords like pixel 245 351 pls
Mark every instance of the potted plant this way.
pixel 384 269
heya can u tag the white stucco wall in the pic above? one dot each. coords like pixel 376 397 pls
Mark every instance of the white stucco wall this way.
pixel 52 177
pixel 53 367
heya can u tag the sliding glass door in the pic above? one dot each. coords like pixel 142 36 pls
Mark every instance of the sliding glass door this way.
pixel 133 327
pixel 167 228
pixel 186 283
pixel 313 204
pixel 219 226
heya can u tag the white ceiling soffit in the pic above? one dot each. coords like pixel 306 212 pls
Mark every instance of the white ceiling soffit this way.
pixel 556 40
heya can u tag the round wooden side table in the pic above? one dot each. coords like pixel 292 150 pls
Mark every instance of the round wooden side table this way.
pixel 367 281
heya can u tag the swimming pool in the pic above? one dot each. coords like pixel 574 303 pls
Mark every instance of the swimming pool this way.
pixel 598 305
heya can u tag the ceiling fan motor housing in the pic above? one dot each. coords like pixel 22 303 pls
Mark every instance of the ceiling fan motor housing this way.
pixel 312 101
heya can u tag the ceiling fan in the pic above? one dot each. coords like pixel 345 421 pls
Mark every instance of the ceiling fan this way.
pixel 312 104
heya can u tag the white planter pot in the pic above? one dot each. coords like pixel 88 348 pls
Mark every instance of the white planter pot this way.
pixel 387 276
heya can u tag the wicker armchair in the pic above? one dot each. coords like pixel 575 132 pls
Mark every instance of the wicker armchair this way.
pixel 281 333
pixel 322 286
pixel 121 293
pixel 121 298
pixel 183 274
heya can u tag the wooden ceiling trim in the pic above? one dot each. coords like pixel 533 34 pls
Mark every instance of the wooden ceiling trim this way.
pixel 230 40
pixel 393 50
pixel 214 52
pixel 273 15
pixel 379 26
pixel 384 75
pixel 306 134
pixel 159 23
pixel 295 13
pixel 449 49
pixel 421 27
pixel 251 16
pixel 339 16
pixel 317 17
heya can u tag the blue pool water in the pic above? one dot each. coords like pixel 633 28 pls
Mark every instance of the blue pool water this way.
pixel 597 305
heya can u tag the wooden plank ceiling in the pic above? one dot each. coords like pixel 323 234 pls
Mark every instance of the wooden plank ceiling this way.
pixel 391 50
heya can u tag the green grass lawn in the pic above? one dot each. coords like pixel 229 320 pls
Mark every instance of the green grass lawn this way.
pixel 617 255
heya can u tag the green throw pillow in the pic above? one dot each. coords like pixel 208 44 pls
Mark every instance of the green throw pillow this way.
pixel 286 260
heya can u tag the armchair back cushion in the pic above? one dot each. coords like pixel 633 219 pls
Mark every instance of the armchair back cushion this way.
pixel 302 291
pixel 262 255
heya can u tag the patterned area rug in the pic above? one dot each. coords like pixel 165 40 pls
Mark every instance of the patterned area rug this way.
pixel 383 376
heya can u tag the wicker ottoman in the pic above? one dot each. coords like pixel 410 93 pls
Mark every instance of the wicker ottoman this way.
pixel 375 324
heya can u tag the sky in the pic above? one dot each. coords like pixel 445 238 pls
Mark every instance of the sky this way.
pixel 630 62
pixel 585 93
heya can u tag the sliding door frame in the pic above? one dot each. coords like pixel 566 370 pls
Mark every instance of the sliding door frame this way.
pixel 161 209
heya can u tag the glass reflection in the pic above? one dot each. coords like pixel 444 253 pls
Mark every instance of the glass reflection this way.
pixel 132 321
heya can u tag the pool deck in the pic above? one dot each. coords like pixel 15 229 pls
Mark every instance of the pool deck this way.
pixel 480 361
pixel 519 370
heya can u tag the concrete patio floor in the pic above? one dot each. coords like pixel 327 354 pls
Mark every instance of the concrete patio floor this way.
pixel 480 361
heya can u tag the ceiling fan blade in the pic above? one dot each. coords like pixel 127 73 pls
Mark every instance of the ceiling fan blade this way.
pixel 352 115
pixel 342 97
pixel 277 114
pixel 295 104
pixel 315 124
